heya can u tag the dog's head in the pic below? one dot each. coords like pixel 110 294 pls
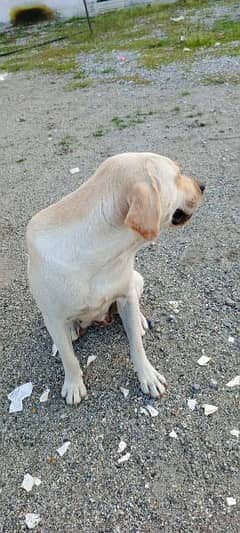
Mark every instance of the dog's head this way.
pixel 166 198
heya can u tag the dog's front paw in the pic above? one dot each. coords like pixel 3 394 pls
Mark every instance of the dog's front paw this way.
pixel 151 381
pixel 74 390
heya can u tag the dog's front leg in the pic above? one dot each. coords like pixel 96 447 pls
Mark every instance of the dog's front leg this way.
pixel 73 388
pixel 151 381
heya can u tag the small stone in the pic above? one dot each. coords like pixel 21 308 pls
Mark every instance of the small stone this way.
pixel 171 318
pixel 230 302
pixel 213 384
pixel 151 324
pixel 195 387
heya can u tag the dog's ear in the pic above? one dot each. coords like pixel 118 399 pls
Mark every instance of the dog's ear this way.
pixel 144 209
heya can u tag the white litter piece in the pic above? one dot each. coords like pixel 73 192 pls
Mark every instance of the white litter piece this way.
pixel 124 458
pixel 175 306
pixel 192 403
pixel 182 38
pixel 235 382
pixel 177 19
pixel 32 520
pixel 17 396
pixel 173 434
pixel 235 432
pixel 122 446
pixel 124 391
pixel 62 450
pixel 44 396
pixel 187 49
pixel 231 339
pixel 152 411
pixel 143 411
pixel 29 482
pixel 209 409
pixel 54 350
pixel 231 501
pixel 217 44
pixel 203 360
pixel 74 170
pixel 3 76
pixel 90 359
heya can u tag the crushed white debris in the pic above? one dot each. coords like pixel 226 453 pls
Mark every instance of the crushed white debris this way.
pixel 124 458
pixel 182 38
pixel 62 450
pixel 122 446
pixel 231 339
pixel 209 409
pixel 173 434
pixel 235 382
pixel 29 482
pixel 143 411
pixel 17 396
pixel 152 411
pixel 124 391
pixel 74 170
pixel 3 76
pixel 235 432
pixel 177 19
pixel 90 359
pixel 174 306
pixel 32 520
pixel 54 350
pixel 231 501
pixel 187 49
pixel 192 403
pixel 203 360
pixel 44 396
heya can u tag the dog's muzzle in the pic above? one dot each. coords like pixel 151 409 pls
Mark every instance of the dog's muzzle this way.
pixel 179 217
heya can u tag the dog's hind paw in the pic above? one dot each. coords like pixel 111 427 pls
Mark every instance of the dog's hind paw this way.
pixel 74 390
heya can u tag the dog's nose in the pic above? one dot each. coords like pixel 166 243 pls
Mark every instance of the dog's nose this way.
pixel 202 187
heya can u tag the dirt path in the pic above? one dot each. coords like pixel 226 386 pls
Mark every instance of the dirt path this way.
pixel 170 485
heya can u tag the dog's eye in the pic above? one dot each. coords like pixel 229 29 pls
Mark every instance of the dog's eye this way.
pixel 179 217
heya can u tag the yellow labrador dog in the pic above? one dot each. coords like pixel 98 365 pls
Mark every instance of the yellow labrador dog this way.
pixel 82 249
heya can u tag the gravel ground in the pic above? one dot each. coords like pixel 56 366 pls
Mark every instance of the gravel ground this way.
pixel 168 484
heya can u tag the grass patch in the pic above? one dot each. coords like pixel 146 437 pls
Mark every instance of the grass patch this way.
pixel 84 84
pixel 99 132
pixel 233 79
pixel 127 29
pixel 137 80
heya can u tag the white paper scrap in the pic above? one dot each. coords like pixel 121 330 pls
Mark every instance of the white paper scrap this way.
pixel 177 19
pixel 235 432
pixel 231 501
pixel 44 396
pixel 143 411
pixel 173 434
pixel 203 360
pixel 62 450
pixel 122 446
pixel 32 520
pixel 124 391
pixel 209 409
pixel 90 359
pixel 74 170
pixel 54 350
pixel 152 411
pixel 29 482
pixel 231 339
pixel 174 305
pixel 3 76
pixel 124 458
pixel 235 382
pixel 192 403
pixel 187 49
pixel 17 396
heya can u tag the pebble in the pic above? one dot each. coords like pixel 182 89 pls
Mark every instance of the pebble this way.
pixel 195 387
pixel 213 384
pixel 151 324
pixel 229 302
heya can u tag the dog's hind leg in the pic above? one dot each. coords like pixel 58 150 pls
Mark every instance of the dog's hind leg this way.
pixel 73 388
